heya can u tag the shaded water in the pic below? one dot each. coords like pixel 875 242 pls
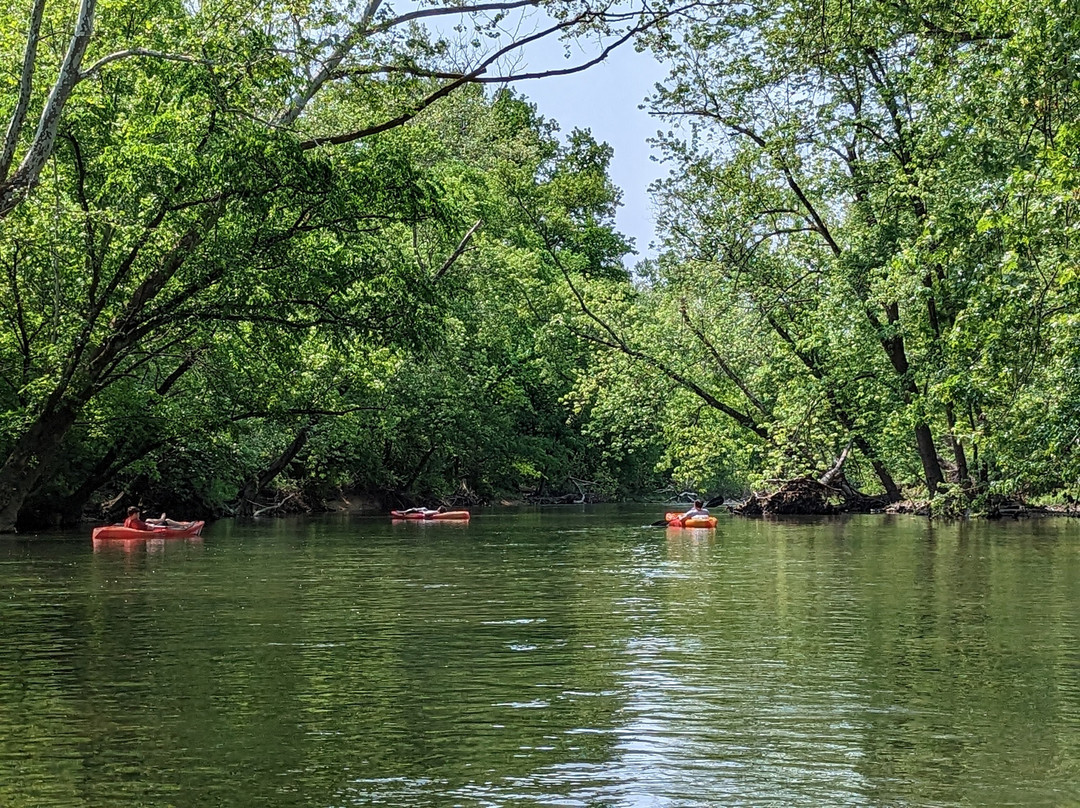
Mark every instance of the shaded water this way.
pixel 562 657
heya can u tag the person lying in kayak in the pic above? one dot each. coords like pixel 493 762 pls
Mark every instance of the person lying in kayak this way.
pixel 425 511
pixel 135 520
pixel 698 511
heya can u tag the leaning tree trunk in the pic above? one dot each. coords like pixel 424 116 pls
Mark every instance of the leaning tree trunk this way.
pixel 71 507
pixel 32 454
pixel 892 490
pixel 120 454
pixel 15 187
pixel 962 473
pixel 924 439
pixel 419 469
pixel 107 467
pixel 246 505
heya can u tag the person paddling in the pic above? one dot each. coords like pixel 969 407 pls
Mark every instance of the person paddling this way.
pixel 698 511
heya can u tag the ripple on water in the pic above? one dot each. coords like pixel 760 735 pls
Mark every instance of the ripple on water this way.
pixel 820 662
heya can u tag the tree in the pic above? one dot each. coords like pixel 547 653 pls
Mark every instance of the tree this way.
pixel 838 163
pixel 196 168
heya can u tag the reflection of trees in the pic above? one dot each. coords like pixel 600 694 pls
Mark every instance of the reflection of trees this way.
pixel 812 662
pixel 275 671
pixel 961 661
pixel 819 662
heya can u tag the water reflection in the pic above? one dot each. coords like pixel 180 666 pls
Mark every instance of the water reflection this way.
pixel 143 545
pixel 557 657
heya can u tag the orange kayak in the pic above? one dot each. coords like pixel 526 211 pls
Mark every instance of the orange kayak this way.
pixel 673 520
pixel 455 516
pixel 128 533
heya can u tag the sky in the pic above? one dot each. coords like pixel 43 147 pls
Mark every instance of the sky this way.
pixel 606 99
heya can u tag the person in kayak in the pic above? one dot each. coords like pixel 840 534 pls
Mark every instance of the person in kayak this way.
pixel 425 511
pixel 135 520
pixel 697 512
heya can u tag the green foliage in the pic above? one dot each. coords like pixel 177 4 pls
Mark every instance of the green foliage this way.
pixel 869 235
pixel 869 240
pixel 331 316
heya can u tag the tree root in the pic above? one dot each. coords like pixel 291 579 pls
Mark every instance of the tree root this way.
pixel 809 496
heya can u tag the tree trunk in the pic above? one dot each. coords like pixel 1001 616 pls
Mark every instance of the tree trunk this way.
pixel 928 455
pixel 962 474
pixel 924 439
pixel 892 490
pixel 419 468
pixel 119 455
pixel 32 454
pixel 827 478
pixel 25 177
pixel 71 507
pixel 259 482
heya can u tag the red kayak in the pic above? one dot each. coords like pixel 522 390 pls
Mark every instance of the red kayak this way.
pixel 454 516
pixel 129 533
pixel 673 520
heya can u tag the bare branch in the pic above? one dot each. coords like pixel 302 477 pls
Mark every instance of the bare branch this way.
pixel 460 249
pixel 445 90
pixel 362 30
pixel 143 53
pixel 500 79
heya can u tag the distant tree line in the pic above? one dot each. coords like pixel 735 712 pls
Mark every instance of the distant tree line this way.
pixel 867 246
pixel 255 254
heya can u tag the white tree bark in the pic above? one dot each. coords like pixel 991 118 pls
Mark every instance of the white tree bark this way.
pixel 26 175
pixel 26 82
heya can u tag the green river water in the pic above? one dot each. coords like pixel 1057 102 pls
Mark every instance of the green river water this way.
pixel 556 657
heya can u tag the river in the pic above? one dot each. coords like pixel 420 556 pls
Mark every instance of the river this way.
pixel 556 657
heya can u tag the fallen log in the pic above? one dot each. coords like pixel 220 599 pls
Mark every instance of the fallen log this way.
pixel 802 495
pixel 908 507
pixel 827 478
pixel 257 512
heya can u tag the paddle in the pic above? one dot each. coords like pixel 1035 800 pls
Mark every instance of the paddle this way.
pixel 659 523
